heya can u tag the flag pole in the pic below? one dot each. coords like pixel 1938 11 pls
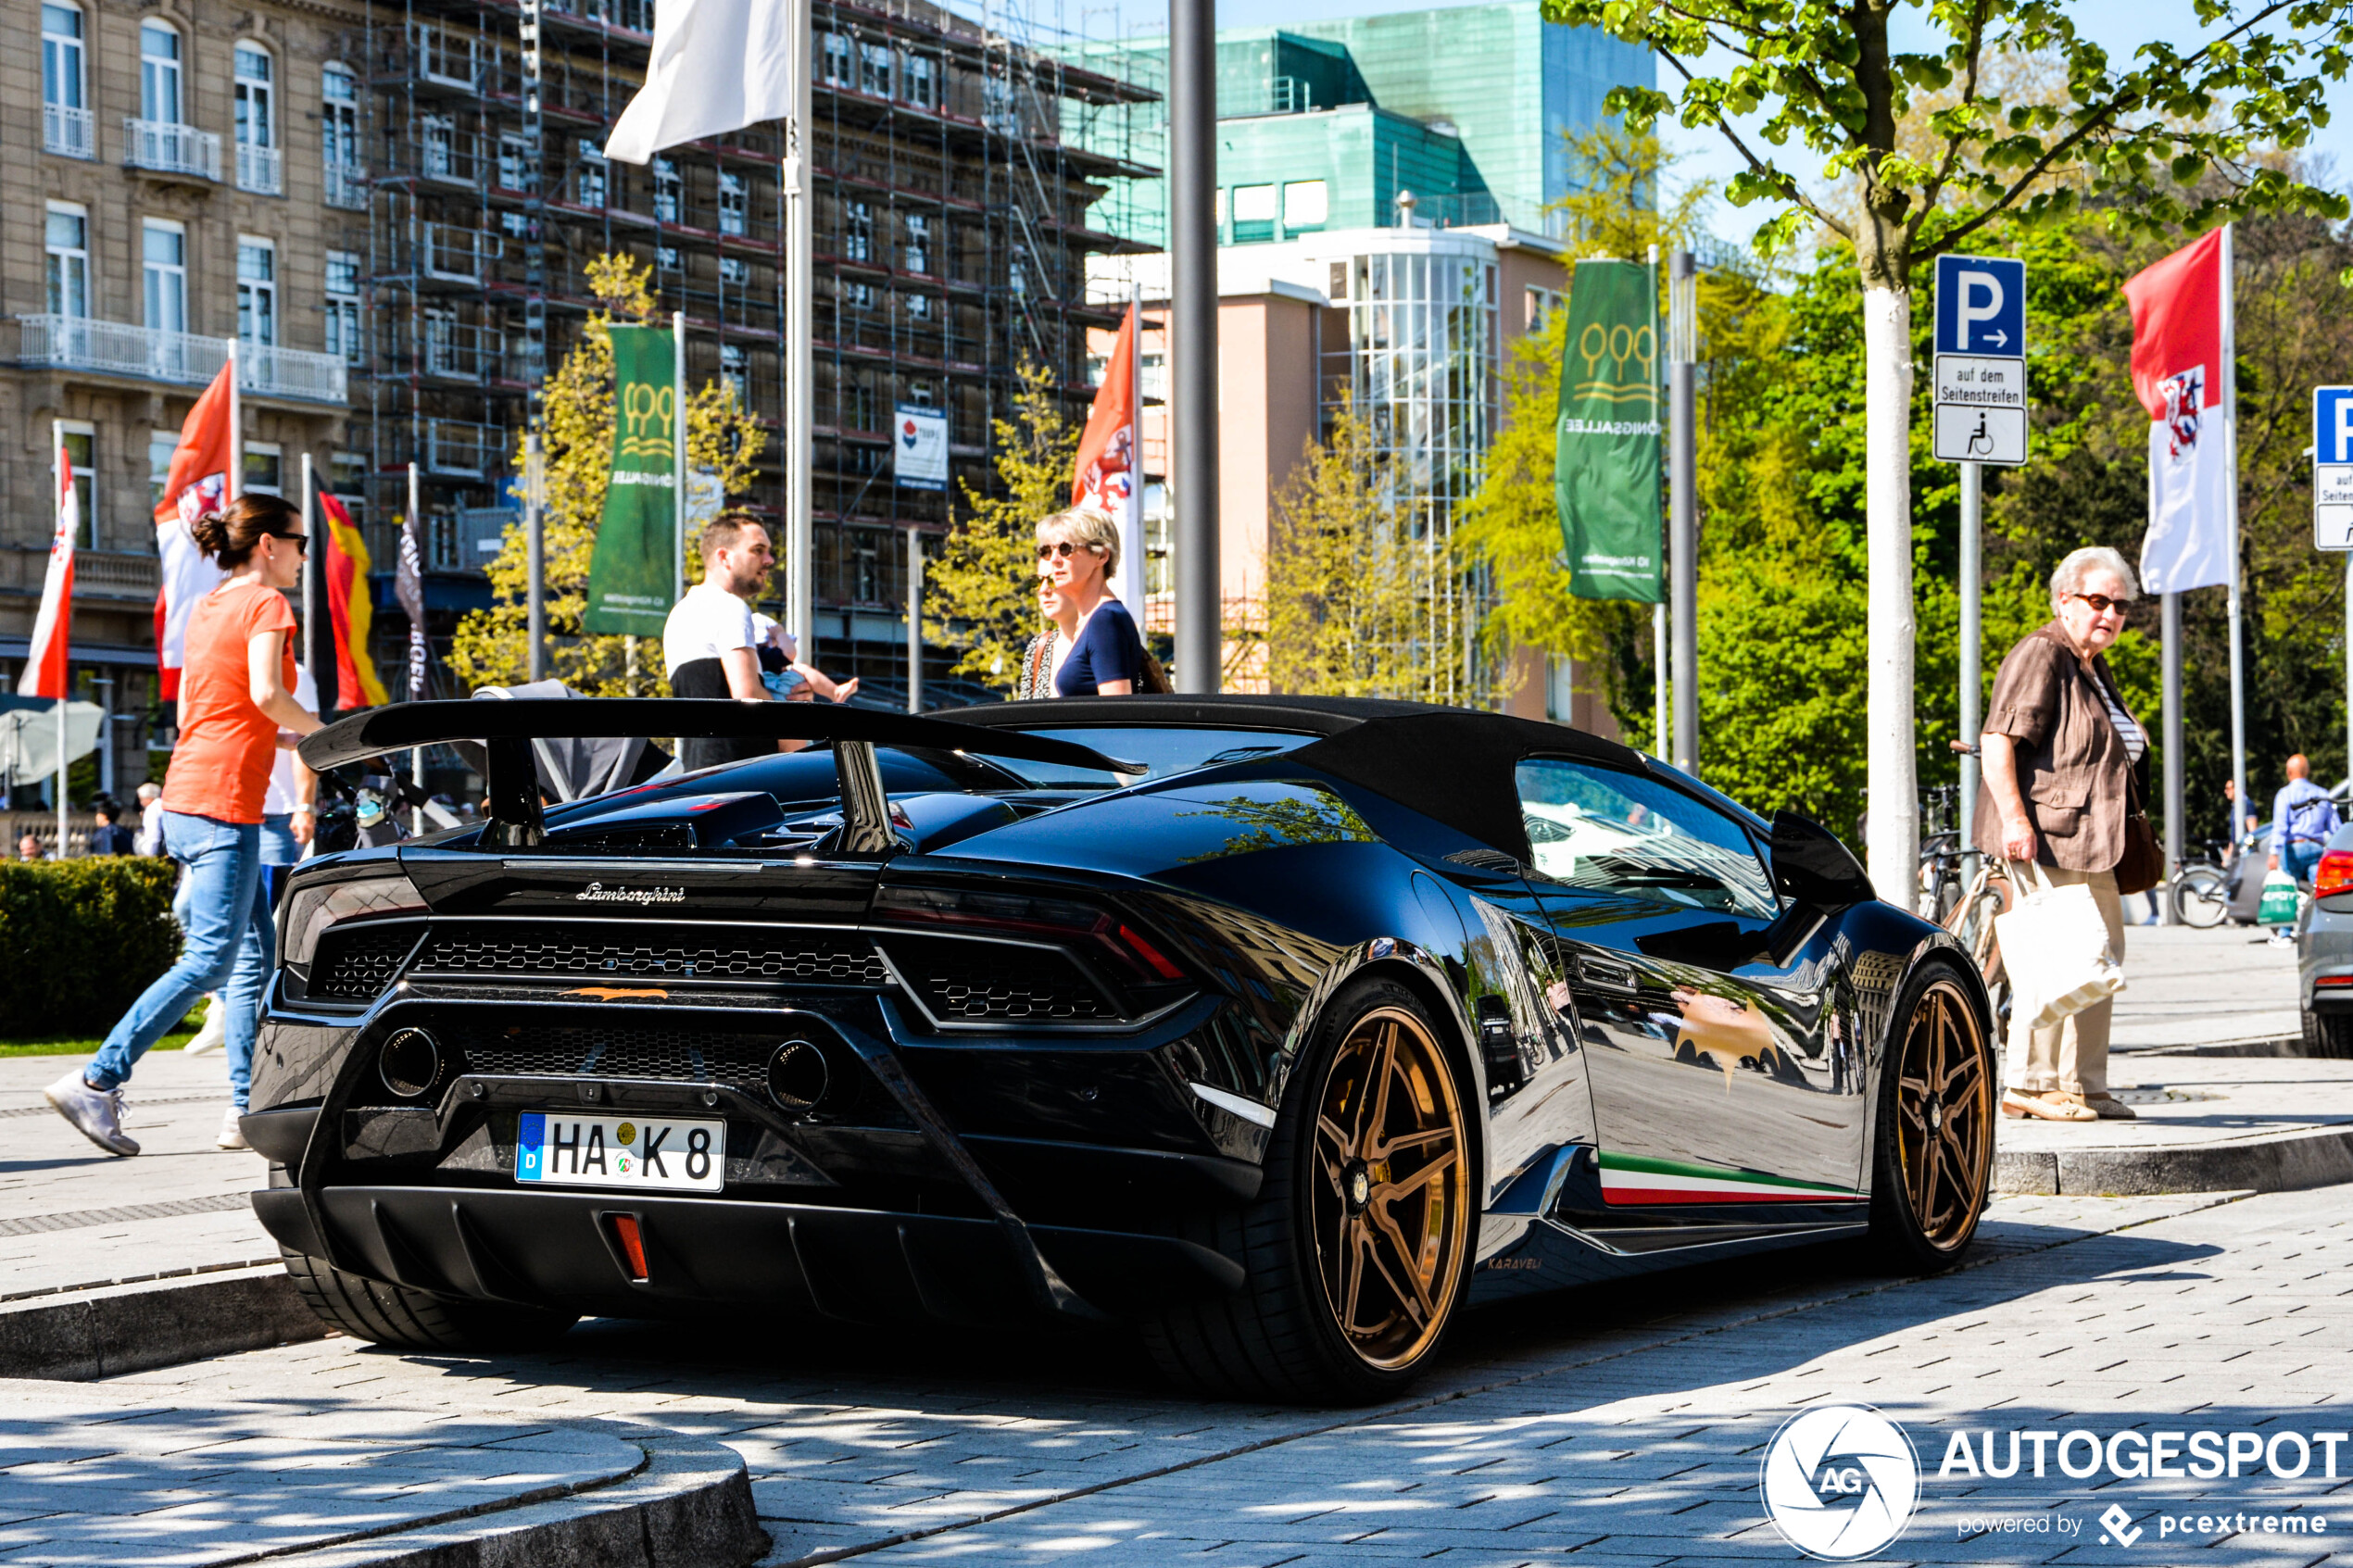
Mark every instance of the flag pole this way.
pixel 2230 451
pixel 678 451
pixel 236 482
pixel 914 620
pixel 416 753
pixel 534 525
pixel 309 592
pixel 800 604
pixel 1132 549
pixel 56 491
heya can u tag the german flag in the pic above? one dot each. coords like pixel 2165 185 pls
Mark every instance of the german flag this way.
pixel 339 661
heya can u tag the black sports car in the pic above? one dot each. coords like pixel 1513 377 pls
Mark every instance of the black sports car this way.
pixel 1284 1029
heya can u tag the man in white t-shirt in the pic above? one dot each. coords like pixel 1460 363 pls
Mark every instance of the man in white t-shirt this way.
pixel 708 646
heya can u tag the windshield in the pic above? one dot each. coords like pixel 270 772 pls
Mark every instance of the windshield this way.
pixel 1177 749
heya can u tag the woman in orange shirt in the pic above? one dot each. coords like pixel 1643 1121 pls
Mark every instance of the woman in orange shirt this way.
pixel 236 702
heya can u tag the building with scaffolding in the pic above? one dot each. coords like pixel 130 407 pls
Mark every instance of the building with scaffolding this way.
pixel 952 238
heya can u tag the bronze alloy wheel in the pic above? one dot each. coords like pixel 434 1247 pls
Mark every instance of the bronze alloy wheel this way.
pixel 1390 1199
pixel 1945 1116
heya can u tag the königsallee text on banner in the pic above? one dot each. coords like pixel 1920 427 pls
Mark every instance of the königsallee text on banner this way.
pixel 1607 458
pixel 633 570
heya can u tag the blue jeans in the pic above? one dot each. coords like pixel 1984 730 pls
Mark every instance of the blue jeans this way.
pixel 2298 861
pixel 231 947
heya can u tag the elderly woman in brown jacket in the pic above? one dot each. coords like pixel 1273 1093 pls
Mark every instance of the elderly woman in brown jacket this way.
pixel 2061 750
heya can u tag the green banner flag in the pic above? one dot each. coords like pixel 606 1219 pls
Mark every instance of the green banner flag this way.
pixel 1606 451
pixel 633 571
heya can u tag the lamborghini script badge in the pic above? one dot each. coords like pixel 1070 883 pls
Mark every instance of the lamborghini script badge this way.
pixel 598 893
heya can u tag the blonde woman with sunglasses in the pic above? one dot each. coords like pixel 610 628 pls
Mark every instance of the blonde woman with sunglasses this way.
pixel 1097 650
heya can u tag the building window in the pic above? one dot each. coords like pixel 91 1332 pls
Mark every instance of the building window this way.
pixel 918 307
pixel 1305 206
pixel 158 73
pixel 857 297
pixel 163 265
pixel 339 138
pixel 873 70
pixel 516 225
pixel 858 231
pixel 1253 214
pixel 343 305
pixel 441 146
pixel 919 79
pixel 64 112
pixel 669 259
pixel 257 292
pixel 265 469
pixel 66 240
pixel 82 451
pixel 256 120
pixel 918 251
pixel 734 272
pixel 1539 307
pixel 441 342
pixel 347 481
pixel 836 51
pixel 515 162
pixel 161 443
pixel 590 176
pixel 669 192
pixel 735 370
pixel 857 405
pixel 919 393
pixel 733 205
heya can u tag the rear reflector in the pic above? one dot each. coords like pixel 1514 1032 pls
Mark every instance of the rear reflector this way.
pixel 633 1245
pixel 2334 874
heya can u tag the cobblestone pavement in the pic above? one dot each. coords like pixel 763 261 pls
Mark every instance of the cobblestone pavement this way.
pixel 2186 1100
pixel 2201 987
pixel 1616 1426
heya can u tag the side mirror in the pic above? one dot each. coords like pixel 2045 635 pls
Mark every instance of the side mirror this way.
pixel 1812 869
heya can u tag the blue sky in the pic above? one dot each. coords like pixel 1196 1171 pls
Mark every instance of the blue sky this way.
pixel 2120 26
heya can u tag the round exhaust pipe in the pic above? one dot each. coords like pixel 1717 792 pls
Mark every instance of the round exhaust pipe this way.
pixel 410 1063
pixel 796 1075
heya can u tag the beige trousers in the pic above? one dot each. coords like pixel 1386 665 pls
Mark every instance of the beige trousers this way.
pixel 2073 1053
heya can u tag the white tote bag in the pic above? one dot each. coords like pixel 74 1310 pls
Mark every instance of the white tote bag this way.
pixel 2055 945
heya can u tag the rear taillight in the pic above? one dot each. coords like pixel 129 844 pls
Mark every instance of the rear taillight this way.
pixel 1085 926
pixel 2334 874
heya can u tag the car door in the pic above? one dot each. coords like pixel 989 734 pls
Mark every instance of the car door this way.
pixel 1719 1070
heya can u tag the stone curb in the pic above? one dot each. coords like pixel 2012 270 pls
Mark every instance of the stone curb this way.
pixel 689 1506
pixel 77 1335
pixel 2276 1044
pixel 2320 1158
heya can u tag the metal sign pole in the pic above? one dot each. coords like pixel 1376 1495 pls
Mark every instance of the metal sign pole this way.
pixel 65 685
pixel 1682 554
pixel 1192 338
pixel 1971 653
pixel 678 453
pixel 534 539
pixel 914 620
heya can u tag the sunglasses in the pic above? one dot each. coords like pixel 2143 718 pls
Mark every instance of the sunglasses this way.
pixel 301 542
pixel 2101 603
pixel 1066 549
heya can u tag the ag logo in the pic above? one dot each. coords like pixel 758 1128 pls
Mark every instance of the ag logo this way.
pixel 1840 1481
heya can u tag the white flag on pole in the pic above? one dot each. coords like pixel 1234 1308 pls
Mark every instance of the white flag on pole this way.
pixel 718 66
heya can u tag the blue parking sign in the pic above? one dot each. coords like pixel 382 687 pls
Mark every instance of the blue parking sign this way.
pixel 2333 468
pixel 2333 424
pixel 1981 306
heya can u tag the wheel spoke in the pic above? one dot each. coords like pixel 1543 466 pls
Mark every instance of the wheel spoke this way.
pixel 1405 1142
pixel 1389 1192
pixel 1355 1244
pixel 1329 1131
pixel 1410 1293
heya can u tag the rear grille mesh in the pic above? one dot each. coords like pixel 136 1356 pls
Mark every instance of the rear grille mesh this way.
pixel 681 1056
pixel 807 957
pixel 997 983
pixel 355 965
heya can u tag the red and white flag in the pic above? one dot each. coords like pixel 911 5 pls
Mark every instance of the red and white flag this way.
pixel 2179 375
pixel 45 665
pixel 1110 469
pixel 196 483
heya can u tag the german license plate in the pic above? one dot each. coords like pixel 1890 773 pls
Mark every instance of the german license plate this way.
pixel 619 1151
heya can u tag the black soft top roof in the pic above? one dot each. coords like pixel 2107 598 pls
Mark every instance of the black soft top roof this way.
pixel 1452 765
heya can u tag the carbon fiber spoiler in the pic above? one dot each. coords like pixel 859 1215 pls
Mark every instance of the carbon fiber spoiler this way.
pixel 506 729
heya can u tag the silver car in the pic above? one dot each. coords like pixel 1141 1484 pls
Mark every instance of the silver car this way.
pixel 2324 952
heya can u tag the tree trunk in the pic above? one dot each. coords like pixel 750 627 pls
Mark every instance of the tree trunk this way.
pixel 1891 845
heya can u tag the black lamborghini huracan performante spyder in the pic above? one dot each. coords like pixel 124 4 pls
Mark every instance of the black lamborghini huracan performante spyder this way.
pixel 1283 1029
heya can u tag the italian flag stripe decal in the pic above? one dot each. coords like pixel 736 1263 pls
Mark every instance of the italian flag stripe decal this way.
pixel 1635 1178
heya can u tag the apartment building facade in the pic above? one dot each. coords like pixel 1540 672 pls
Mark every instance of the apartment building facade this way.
pixel 164 190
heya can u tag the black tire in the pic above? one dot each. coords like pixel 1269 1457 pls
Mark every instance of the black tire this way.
pixel 2201 897
pixel 2328 1035
pixel 1282 1335
pixel 393 1314
pixel 1939 1093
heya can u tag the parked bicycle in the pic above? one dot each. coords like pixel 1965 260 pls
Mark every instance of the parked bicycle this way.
pixel 1941 852
pixel 2200 889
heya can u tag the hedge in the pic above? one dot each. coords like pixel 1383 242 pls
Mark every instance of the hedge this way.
pixel 79 940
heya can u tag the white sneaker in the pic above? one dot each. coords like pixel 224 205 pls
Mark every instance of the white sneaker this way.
pixel 96 1114
pixel 233 1135
pixel 213 1034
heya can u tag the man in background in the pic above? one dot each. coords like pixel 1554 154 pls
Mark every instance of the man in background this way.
pixel 150 840
pixel 109 837
pixel 708 646
pixel 2303 819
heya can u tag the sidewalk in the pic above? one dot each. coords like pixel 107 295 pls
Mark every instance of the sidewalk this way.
pixel 2211 1119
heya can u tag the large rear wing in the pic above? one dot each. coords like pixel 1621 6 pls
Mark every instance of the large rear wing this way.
pixel 504 730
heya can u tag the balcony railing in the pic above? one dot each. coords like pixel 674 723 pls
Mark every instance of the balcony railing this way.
pixel 260 169
pixel 179 358
pixel 347 187
pixel 462 449
pixel 171 149
pixel 67 131
pixel 455 254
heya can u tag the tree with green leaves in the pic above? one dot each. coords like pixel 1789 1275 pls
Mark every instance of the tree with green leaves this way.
pixel 492 646
pixel 2176 139
pixel 984 586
